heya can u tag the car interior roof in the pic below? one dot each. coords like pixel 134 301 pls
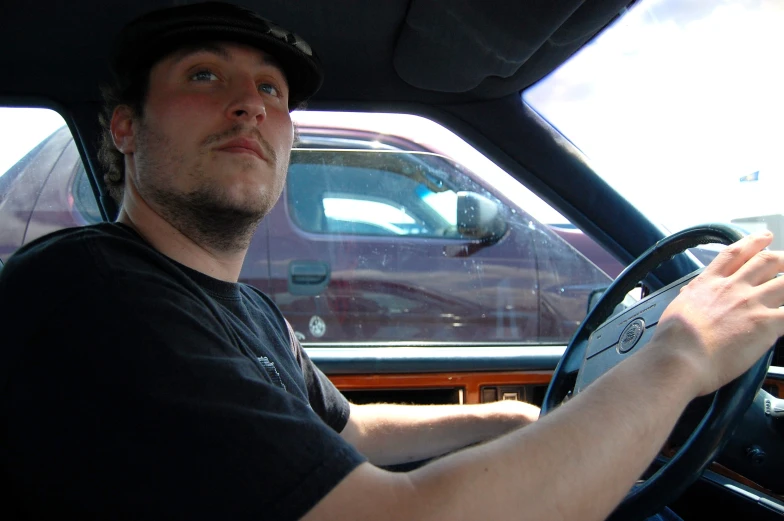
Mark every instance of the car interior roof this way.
pixel 372 51
pixel 463 64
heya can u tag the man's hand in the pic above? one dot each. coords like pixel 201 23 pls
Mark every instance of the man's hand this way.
pixel 727 317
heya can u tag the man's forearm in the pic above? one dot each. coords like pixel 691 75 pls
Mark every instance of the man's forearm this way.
pixel 547 470
pixel 391 434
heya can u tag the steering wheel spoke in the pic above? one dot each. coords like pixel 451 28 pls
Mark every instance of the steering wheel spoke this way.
pixel 626 333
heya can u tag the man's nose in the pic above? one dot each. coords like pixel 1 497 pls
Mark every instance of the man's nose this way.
pixel 247 103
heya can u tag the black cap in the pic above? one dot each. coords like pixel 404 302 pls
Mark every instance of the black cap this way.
pixel 152 36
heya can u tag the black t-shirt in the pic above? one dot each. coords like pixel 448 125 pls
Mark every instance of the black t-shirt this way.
pixel 134 387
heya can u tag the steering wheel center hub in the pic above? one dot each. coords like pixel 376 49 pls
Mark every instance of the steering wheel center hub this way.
pixel 631 335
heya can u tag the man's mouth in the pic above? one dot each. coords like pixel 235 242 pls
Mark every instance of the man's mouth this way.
pixel 243 146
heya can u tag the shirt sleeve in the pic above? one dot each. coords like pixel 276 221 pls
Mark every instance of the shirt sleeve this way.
pixel 127 398
pixel 325 399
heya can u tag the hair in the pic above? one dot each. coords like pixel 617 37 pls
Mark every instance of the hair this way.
pixel 114 95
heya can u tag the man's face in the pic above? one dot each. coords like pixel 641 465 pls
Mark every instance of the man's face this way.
pixel 215 133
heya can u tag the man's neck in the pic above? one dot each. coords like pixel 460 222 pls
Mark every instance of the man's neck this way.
pixel 175 244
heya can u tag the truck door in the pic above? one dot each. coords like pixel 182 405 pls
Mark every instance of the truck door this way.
pixel 368 247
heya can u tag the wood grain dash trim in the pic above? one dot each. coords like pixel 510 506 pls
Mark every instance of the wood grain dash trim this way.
pixel 470 382
pixel 779 384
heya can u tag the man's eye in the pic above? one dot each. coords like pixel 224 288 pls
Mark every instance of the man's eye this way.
pixel 269 88
pixel 204 75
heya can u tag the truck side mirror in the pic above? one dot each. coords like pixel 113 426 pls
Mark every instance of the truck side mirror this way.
pixel 479 217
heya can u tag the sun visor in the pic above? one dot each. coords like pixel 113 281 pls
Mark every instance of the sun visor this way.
pixel 475 40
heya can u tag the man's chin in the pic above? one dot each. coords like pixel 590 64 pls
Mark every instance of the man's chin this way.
pixel 243 205
pixel 216 220
pixel 242 167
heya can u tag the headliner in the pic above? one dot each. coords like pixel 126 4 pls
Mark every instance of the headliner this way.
pixel 426 51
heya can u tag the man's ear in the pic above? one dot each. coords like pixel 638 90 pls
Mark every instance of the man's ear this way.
pixel 122 128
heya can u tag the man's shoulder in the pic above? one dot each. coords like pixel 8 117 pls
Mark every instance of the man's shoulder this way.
pixel 56 279
pixel 75 260
pixel 88 248
pixel 106 272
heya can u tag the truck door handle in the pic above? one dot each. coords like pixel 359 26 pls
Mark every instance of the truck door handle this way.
pixel 308 277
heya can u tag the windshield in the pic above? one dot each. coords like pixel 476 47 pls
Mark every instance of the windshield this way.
pixel 679 107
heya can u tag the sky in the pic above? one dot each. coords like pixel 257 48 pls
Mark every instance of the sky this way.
pixel 672 106
pixel 678 102
pixel 23 129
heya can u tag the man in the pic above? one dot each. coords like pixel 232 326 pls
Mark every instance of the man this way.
pixel 186 395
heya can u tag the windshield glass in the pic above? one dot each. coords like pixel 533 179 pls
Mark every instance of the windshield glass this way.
pixel 679 107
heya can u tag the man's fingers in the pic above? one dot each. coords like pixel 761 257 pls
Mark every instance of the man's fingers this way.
pixel 773 324
pixel 771 294
pixel 761 268
pixel 731 258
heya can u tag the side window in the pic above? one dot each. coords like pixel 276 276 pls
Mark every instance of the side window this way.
pixel 364 192
pixel 393 229
pixel 41 186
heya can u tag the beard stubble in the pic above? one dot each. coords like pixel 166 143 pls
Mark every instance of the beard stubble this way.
pixel 206 214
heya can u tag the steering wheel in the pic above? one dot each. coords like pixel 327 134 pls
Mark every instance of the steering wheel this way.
pixel 602 341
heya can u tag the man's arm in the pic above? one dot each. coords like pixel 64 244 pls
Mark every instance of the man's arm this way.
pixel 575 463
pixel 391 434
pixel 580 461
